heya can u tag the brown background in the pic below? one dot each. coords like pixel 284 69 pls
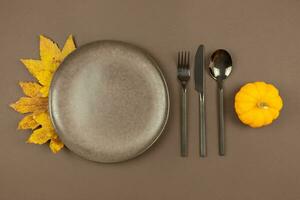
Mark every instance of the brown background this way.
pixel 261 164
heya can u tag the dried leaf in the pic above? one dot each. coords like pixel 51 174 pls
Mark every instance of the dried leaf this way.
pixel 45 91
pixel 45 133
pixel 29 104
pixel 48 49
pixel 36 101
pixel 40 136
pixel 44 77
pixel 33 66
pixel 69 47
pixel 31 89
pixel 28 122
pixel 56 145
pixel 44 120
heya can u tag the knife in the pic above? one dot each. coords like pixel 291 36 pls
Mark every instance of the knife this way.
pixel 199 73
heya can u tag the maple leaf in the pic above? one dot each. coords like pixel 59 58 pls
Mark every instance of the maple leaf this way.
pixel 45 133
pixel 28 122
pixel 50 58
pixel 36 101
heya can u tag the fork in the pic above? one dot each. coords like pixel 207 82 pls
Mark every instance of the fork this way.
pixel 183 75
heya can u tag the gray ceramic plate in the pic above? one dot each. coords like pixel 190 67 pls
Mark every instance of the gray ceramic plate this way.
pixel 109 101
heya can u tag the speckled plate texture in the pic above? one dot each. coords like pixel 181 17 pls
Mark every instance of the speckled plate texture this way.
pixel 109 101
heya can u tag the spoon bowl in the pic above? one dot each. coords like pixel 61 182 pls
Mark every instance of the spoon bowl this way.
pixel 220 65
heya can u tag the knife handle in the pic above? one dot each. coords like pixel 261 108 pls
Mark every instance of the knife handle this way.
pixel 183 123
pixel 202 125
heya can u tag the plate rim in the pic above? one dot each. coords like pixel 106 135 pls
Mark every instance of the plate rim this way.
pixel 167 109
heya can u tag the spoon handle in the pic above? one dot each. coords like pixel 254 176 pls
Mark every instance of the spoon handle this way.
pixel 183 123
pixel 221 120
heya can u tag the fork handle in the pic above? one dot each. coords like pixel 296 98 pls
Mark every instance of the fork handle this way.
pixel 202 127
pixel 183 123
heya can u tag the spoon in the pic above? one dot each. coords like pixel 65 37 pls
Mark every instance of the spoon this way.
pixel 220 67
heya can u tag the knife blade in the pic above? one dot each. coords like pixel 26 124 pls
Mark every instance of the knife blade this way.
pixel 199 75
pixel 199 69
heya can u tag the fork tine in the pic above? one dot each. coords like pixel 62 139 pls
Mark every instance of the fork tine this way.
pixel 181 58
pixel 184 58
pixel 188 59
pixel 178 59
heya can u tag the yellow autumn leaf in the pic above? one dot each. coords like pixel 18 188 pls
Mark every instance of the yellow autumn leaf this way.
pixel 44 77
pixel 42 74
pixel 36 100
pixel 31 104
pixel 44 91
pixel 50 53
pixel 56 145
pixel 44 120
pixel 31 89
pixel 40 136
pixel 51 57
pixel 28 122
pixel 68 48
pixel 45 133
pixel 33 66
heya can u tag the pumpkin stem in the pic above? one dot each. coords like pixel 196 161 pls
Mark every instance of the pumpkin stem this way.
pixel 262 105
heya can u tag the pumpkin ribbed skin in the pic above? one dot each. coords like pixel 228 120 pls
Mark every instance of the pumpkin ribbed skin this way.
pixel 258 104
